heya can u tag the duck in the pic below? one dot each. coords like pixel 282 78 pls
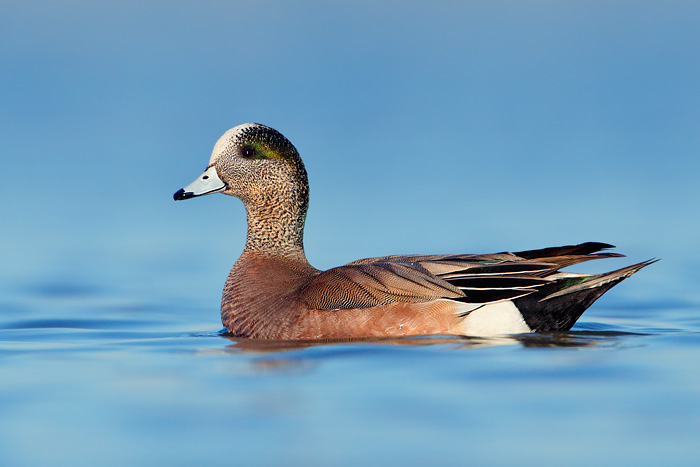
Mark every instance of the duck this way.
pixel 272 292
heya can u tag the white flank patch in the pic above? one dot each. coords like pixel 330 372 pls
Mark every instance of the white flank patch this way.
pixel 494 319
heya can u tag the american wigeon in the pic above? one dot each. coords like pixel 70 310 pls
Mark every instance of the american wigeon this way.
pixel 272 291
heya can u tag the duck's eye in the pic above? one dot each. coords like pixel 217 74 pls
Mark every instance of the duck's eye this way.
pixel 248 152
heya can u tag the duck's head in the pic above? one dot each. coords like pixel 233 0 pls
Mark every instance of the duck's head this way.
pixel 255 163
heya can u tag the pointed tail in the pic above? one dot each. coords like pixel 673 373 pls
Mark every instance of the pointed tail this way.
pixel 557 306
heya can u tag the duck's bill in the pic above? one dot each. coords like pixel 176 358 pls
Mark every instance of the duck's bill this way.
pixel 207 183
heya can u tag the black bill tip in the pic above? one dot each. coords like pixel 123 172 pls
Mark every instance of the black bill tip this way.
pixel 182 194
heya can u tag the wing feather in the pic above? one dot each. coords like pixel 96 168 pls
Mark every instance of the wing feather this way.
pixel 366 285
pixel 475 279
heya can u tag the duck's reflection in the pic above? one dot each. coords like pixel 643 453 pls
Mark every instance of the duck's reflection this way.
pixel 290 355
pixel 567 339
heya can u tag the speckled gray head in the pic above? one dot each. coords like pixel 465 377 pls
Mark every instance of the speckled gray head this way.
pixel 258 165
pixel 244 154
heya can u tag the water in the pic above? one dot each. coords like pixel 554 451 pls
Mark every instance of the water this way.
pixel 90 378
pixel 449 127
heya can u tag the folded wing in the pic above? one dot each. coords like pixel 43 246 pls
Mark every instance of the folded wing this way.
pixel 475 279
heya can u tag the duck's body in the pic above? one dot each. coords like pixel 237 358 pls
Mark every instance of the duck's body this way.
pixel 273 292
pixel 264 298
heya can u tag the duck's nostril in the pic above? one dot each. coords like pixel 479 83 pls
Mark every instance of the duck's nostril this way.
pixel 205 177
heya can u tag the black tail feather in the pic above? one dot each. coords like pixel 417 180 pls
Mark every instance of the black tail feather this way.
pixel 557 306
pixel 581 249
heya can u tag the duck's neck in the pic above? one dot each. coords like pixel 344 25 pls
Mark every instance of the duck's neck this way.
pixel 276 226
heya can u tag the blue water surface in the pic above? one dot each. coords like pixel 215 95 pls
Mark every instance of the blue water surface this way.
pixel 96 379
pixel 447 127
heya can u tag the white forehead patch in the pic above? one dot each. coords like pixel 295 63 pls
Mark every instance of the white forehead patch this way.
pixel 226 139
